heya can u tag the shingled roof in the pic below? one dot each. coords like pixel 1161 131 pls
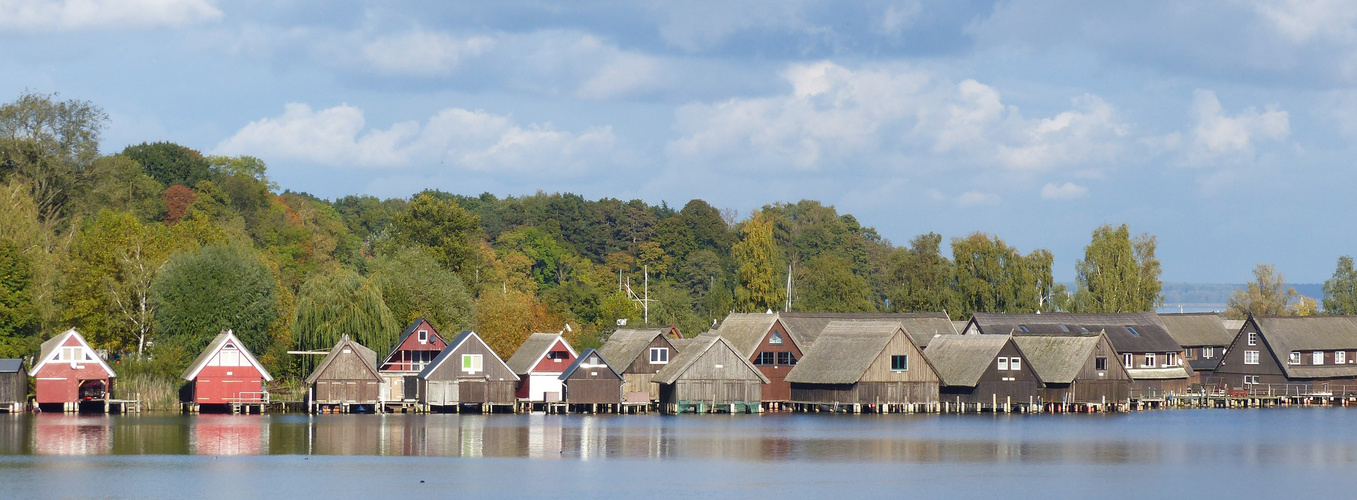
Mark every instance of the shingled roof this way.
pixel 368 356
pixel 533 350
pixel 961 359
pixel 1197 329
pixel 625 345
pixel 806 328
pixel 1309 333
pixel 844 351
pixel 1128 332
pixel 1057 359
pixel 744 331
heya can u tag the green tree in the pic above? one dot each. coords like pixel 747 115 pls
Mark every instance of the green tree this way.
pixel 202 292
pixel 1266 295
pixel 50 145
pixel 757 267
pixel 340 302
pixel 119 184
pixel 19 317
pixel 440 225
pixel 414 286
pixel 1340 291
pixel 993 277
pixel 921 276
pixel 1118 274
pixel 245 166
pixel 827 284
pixel 170 163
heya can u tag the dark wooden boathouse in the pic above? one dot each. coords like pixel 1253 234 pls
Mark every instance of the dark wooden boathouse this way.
pixel 864 366
pixel 69 371
pixel 710 375
pixel 639 354
pixel 984 372
pixel 468 375
pixel 1203 337
pixel 1292 356
pixel 227 375
pixel 13 385
pixel 590 380
pixel 1077 371
pixel 346 380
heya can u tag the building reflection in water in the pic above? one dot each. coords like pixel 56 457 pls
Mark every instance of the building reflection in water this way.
pixel 228 435
pixel 59 434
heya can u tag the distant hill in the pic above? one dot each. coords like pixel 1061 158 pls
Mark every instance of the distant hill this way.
pixel 1214 296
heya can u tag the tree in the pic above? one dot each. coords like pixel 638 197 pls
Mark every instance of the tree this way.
pixel 828 284
pixel 246 166
pixel 415 286
pixel 1267 295
pixel 202 292
pixel 993 277
pixel 341 302
pixel 920 276
pixel 177 200
pixel 1340 291
pixel 506 319
pixel 1118 274
pixel 757 267
pixel 51 145
pixel 120 184
pixel 443 226
pixel 19 317
pixel 170 163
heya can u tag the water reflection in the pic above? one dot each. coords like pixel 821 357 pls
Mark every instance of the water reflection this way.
pixel 1303 437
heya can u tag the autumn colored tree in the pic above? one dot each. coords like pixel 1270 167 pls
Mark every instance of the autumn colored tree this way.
pixel 1267 295
pixel 757 267
pixel 177 200
pixel 506 319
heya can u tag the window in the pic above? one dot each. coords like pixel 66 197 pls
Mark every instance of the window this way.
pixel 1003 363
pixel 1250 380
pixel 1126 360
pixel 765 358
pixel 775 338
pixel 1340 357
pixel 1208 352
pixel 1253 338
pixel 1133 331
pixel 471 363
pixel 1250 357
pixel 558 355
pixel 785 358
pixel 1295 358
pixel 1171 359
pixel 423 336
pixel 659 355
pixel 1064 328
pixel 1023 328
pixel 900 362
pixel 1100 363
pixel 1015 363
pixel 1318 357
pixel 1149 360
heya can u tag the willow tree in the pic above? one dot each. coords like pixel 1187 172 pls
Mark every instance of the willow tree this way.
pixel 1118 273
pixel 756 265
pixel 340 302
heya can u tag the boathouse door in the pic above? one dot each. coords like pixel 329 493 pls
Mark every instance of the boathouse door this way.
pixel 473 391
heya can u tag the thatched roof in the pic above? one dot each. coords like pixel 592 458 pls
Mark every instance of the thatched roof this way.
pixel 961 359
pixel 806 328
pixel 368 356
pixel 681 344
pixel 1310 333
pixel 1057 359
pixel 625 345
pixel 532 351
pixel 844 351
pixel 746 330
pixel 1131 332
pixel 694 351
pixel 1198 329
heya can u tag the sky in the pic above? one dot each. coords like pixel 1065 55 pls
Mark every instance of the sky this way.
pixel 1224 129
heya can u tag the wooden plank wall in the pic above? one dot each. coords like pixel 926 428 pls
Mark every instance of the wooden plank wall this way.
pixel 642 366
pixel 13 387
pixel 866 393
pixel 880 369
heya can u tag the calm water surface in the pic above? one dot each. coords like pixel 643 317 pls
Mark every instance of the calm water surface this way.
pixel 1205 452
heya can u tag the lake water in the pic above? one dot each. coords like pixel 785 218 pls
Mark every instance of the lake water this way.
pixel 1207 453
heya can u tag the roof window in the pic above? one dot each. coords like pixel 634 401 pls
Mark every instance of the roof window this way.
pixel 1133 331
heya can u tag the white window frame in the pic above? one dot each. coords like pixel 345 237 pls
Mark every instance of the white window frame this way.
pixel 1253 338
pixel 1250 357
pixel 1208 352
pixel 1170 359
pixel 1015 364
pixel 775 338
pixel 1149 360
pixel 1003 363
pixel 1340 357
pixel 423 336
pixel 1317 358
pixel 659 355
pixel 1294 359
pixel 1128 360
pixel 1250 380
pixel 473 363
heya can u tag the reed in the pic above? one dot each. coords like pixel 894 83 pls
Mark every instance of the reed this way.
pixel 157 393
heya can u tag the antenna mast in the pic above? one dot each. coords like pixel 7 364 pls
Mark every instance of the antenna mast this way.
pixel 644 300
pixel 788 307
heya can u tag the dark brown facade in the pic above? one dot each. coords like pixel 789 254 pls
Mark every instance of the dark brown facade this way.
pixel 879 381
pixel 639 371
pixel 13 384
pixel 1292 355
pixel 710 372
pixel 999 383
pixel 467 372
pixel 591 381
pixel 347 376
pixel 1099 379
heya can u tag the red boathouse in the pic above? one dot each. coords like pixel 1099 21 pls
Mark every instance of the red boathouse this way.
pixel 227 374
pixel 69 371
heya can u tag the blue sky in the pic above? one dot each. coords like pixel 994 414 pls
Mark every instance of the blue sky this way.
pixel 1222 128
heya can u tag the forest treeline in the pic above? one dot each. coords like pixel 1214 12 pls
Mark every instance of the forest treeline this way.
pixel 151 251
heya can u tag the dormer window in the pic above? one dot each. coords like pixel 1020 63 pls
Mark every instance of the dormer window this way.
pixel 775 338
pixel 1295 358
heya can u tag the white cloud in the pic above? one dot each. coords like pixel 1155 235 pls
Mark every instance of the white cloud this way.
pixel 466 139
pixel 44 15
pixel 1217 134
pixel 838 116
pixel 1066 191
pixel 421 53
pixel 1305 20
pixel 897 17
pixel 974 198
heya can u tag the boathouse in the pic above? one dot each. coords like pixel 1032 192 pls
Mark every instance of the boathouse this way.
pixel 591 381
pixel 226 374
pixel 864 363
pixel 13 385
pixel 347 379
pixel 416 347
pixel 710 375
pixel 468 374
pixel 1076 370
pixel 69 371
pixel 1155 361
pixel 922 327
pixel 1293 355
pixel 1203 337
pixel 539 363
pixel 765 342
pixel 639 354
pixel 984 372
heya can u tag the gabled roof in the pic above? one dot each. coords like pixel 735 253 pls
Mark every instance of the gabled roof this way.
pixel 584 356
pixel 368 356
pixel 1198 329
pixel 216 345
pixel 681 344
pixel 844 351
pixel 625 345
pixel 54 343
pixel 1057 359
pixel 456 343
pixel 534 349
pixel 744 331
pixel 1128 332
pixel 961 359
pixel 409 330
pixel 1309 333
pixel 806 328
pixel 11 365
pixel 690 354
